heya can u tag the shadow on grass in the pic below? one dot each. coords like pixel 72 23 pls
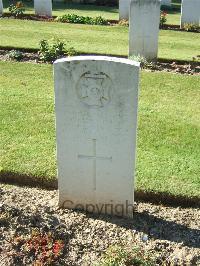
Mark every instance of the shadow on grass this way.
pixel 163 198
pixel 13 178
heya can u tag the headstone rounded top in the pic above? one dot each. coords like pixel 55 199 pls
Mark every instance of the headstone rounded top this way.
pixel 98 58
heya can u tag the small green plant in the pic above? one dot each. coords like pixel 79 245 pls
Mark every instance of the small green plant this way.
pixel 191 27
pixel 144 63
pixel 71 51
pixel 120 256
pixel 163 18
pixel 50 51
pixel 73 18
pixel 15 55
pixel 17 9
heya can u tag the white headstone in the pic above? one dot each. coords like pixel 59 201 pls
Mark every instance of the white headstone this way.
pixel 43 7
pixel 190 12
pixel 1 7
pixel 166 2
pixel 96 101
pixel 144 28
pixel 124 6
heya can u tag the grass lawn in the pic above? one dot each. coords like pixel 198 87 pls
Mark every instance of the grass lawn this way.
pixel 168 156
pixel 92 10
pixel 94 39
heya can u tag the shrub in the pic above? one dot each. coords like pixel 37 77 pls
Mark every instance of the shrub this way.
pixel 191 27
pixel 163 18
pixel 120 256
pixel 73 18
pixel 17 9
pixel 15 55
pixel 99 21
pixel 49 52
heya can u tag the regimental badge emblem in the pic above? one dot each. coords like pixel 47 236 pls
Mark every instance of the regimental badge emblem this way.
pixel 94 89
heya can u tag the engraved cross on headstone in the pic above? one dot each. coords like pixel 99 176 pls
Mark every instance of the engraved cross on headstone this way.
pixel 94 157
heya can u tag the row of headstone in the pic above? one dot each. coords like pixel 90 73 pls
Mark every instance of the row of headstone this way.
pixel 190 10
pixel 124 8
pixel 42 8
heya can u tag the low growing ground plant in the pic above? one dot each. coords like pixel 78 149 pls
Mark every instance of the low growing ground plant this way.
pixel 144 63
pixel 191 27
pixel 37 248
pixel 120 256
pixel 51 50
pixel 73 18
pixel 17 9
pixel 15 55
pixel 123 22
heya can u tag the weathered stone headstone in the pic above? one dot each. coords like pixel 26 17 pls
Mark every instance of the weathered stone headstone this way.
pixel 144 28
pixel 124 6
pixel 166 2
pixel 43 7
pixel 96 102
pixel 190 12
pixel 1 7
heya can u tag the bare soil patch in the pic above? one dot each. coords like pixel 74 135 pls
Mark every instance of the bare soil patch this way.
pixel 171 233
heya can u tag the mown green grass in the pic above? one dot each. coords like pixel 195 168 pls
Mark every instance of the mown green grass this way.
pixel 94 39
pixel 92 10
pixel 168 156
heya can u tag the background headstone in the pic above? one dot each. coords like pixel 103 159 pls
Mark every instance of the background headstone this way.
pixel 43 7
pixel 166 2
pixel 96 101
pixel 144 28
pixel 1 7
pixel 190 12
pixel 124 7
